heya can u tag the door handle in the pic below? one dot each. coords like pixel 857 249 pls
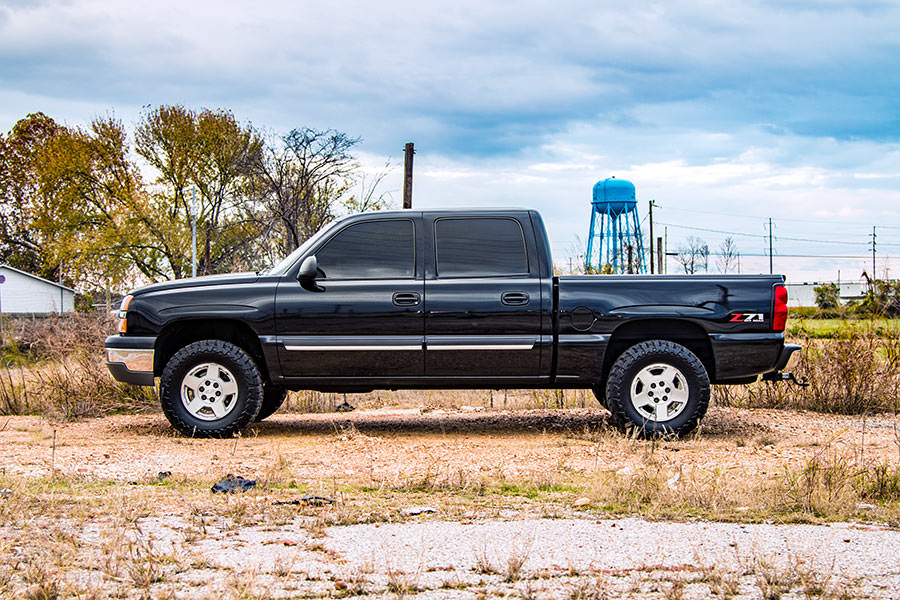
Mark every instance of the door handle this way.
pixel 514 298
pixel 405 298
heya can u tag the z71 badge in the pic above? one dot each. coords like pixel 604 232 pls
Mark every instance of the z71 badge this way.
pixel 748 318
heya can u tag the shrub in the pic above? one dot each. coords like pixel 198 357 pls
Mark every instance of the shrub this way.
pixel 855 374
pixel 55 366
pixel 828 295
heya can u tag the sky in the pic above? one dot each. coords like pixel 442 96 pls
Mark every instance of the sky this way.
pixel 724 114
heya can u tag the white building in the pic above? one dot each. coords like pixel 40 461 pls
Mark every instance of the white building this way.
pixel 22 292
pixel 804 294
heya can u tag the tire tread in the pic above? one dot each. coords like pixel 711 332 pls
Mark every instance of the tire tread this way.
pixel 229 351
pixel 617 388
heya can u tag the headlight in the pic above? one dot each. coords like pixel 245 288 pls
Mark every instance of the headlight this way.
pixel 123 312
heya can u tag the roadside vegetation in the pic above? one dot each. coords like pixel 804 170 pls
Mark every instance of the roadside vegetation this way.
pixel 54 366
pixel 74 529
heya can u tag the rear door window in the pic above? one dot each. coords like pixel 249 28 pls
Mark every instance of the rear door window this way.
pixel 480 247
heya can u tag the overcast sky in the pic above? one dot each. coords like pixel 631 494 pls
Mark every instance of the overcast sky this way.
pixel 725 113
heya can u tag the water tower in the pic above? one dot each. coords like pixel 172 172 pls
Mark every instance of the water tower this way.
pixel 615 226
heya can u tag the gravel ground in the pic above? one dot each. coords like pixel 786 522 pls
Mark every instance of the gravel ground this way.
pixel 500 544
pixel 556 558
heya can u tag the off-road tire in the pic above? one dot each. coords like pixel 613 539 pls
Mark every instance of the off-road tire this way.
pixel 237 362
pixel 273 398
pixel 647 354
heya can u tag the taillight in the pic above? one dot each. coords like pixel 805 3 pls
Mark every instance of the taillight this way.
pixel 780 309
pixel 123 312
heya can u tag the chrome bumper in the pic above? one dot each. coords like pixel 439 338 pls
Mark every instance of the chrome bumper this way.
pixel 131 365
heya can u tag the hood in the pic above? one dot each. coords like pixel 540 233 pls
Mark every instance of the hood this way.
pixel 205 281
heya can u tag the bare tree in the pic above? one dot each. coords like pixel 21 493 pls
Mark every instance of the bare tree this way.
pixel 694 256
pixel 299 178
pixel 369 196
pixel 728 256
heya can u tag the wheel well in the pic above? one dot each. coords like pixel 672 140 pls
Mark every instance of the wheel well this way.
pixel 179 334
pixel 689 335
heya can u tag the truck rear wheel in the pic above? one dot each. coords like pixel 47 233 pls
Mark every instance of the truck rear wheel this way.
pixel 656 388
pixel 273 398
pixel 211 388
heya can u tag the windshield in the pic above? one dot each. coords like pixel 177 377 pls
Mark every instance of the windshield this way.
pixel 285 263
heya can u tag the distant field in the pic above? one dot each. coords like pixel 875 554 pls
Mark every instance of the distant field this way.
pixel 830 328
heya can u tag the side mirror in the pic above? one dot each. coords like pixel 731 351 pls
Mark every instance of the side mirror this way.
pixel 308 269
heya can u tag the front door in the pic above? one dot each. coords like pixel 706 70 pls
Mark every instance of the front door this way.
pixel 363 316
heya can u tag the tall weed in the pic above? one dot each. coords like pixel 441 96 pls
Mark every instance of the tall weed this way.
pixel 855 374
pixel 55 366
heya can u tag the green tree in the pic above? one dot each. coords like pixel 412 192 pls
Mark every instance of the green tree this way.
pixel 21 195
pixel 828 295
pixel 212 152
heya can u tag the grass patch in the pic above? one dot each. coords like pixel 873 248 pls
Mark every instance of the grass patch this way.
pixel 837 328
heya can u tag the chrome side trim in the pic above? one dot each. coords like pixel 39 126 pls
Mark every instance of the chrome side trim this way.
pixel 134 360
pixel 579 338
pixel 352 343
pixel 352 348
pixel 480 342
pixel 481 347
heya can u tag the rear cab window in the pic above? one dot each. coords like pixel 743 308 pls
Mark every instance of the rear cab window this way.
pixel 480 247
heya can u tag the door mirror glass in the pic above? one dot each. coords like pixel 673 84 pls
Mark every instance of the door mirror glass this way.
pixel 308 269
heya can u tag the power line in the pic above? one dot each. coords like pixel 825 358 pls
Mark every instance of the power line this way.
pixel 842 223
pixel 779 238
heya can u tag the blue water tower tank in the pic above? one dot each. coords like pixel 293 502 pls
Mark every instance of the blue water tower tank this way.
pixel 616 228
pixel 614 196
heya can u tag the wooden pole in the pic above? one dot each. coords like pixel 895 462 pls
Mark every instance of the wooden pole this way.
pixel 651 237
pixel 659 255
pixel 408 151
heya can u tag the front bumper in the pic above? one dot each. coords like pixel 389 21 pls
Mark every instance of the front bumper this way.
pixel 130 359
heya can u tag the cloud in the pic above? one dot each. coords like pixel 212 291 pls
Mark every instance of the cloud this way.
pixel 758 108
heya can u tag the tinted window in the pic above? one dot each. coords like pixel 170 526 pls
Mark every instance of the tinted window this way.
pixel 371 250
pixel 480 248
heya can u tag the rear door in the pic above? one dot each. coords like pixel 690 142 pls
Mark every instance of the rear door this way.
pixel 482 298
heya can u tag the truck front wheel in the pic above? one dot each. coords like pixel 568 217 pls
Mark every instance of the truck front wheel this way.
pixel 657 387
pixel 211 388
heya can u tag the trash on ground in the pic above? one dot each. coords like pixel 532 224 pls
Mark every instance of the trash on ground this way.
pixel 5 492
pixel 344 407
pixel 416 510
pixel 308 499
pixel 163 475
pixel 232 484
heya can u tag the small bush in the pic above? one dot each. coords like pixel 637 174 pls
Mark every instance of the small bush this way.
pixel 856 374
pixel 55 366
pixel 54 336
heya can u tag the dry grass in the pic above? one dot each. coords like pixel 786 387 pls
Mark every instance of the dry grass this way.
pixel 857 373
pixel 54 366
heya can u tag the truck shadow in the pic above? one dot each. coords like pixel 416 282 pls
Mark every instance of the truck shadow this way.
pixel 505 423
pixel 590 424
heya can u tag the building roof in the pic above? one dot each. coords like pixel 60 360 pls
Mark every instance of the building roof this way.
pixel 41 279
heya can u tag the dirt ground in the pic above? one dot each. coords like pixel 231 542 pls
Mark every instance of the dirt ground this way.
pixel 464 503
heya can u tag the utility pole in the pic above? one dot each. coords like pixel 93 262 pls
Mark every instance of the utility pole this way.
pixel 666 243
pixel 873 253
pixel 659 255
pixel 193 231
pixel 408 152
pixel 771 269
pixel 652 204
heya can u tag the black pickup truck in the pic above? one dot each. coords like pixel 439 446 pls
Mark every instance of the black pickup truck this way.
pixel 445 299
